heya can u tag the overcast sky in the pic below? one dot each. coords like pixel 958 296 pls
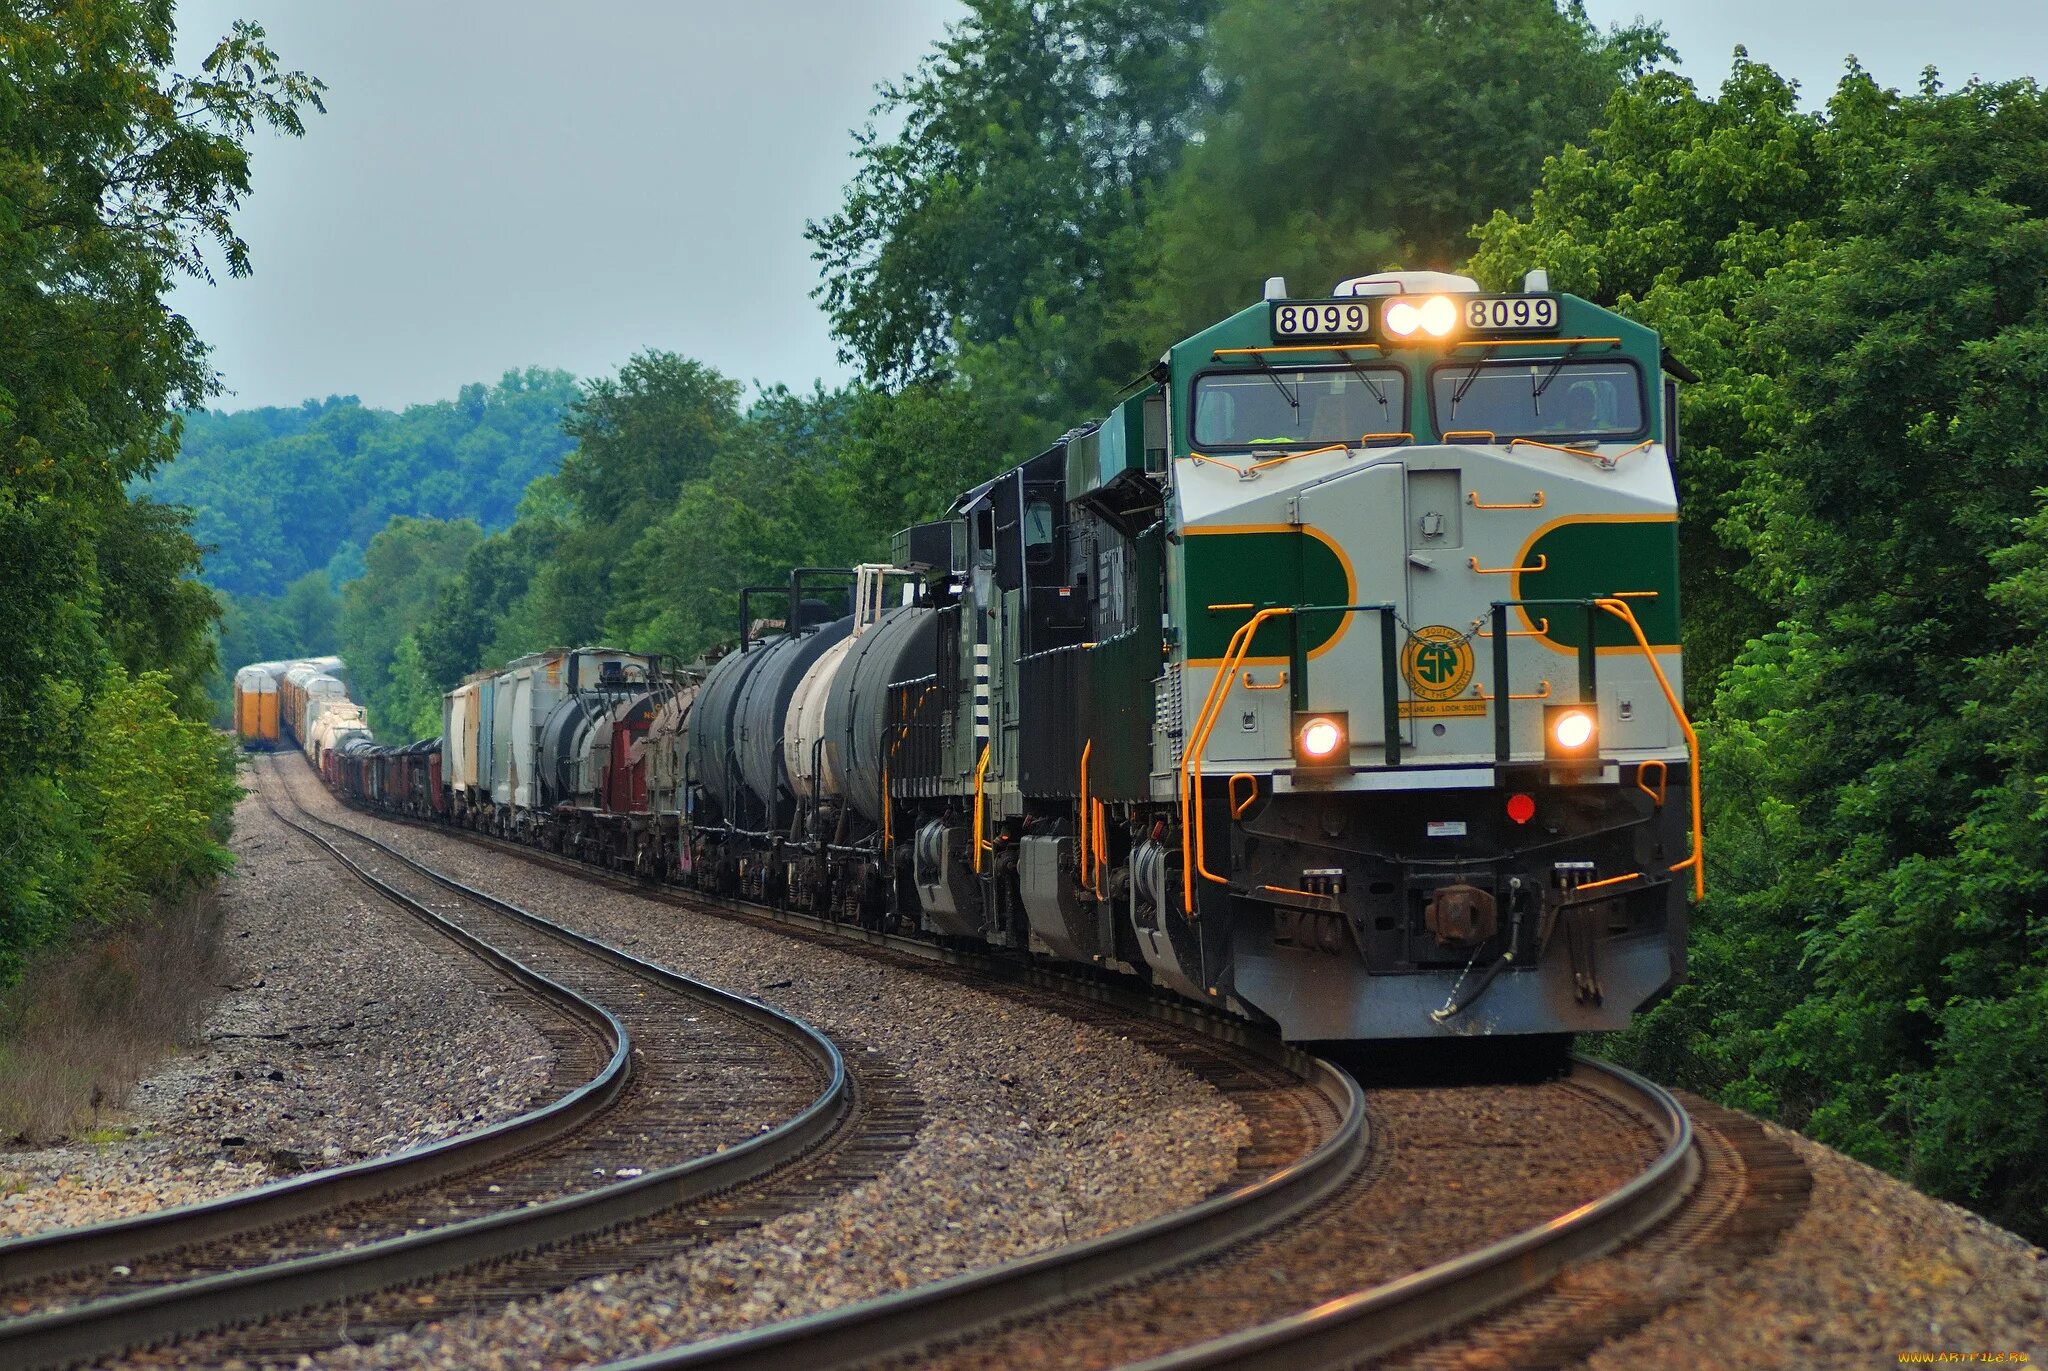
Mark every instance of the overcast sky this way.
pixel 503 183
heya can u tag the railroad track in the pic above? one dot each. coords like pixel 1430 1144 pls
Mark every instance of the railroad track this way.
pixel 1071 1307
pixel 699 1101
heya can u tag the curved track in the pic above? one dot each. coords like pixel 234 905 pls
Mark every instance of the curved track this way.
pixel 1057 1295
pixel 698 1091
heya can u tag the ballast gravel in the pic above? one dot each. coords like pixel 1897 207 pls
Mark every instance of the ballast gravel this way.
pixel 1874 1273
pixel 344 1030
pixel 1040 1130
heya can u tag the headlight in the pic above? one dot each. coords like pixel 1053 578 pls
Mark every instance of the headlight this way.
pixel 1439 316
pixel 1435 316
pixel 1570 731
pixel 1322 739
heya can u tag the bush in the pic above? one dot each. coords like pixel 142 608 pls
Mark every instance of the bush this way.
pixel 137 813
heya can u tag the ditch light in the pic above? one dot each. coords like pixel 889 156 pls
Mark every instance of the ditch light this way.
pixel 1322 739
pixel 1571 733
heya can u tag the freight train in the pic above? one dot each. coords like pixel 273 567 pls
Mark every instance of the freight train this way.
pixel 1332 678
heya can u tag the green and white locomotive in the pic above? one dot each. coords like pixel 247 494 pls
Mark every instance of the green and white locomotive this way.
pixel 1333 678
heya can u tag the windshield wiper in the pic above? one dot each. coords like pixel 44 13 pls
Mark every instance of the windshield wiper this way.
pixel 1555 368
pixel 1292 399
pixel 1465 385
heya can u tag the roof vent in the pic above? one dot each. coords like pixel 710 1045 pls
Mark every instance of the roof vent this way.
pixel 1408 283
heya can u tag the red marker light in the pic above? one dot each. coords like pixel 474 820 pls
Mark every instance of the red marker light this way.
pixel 1521 808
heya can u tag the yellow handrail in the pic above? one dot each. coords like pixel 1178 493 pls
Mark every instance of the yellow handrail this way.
pixel 1472 499
pixel 1250 684
pixel 1187 857
pixel 1295 347
pixel 1237 806
pixel 1193 846
pixel 1083 846
pixel 1096 832
pixel 1698 860
pixel 1663 779
pixel 1290 456
pixel 980 807
pixel 1290 890
pixel 1542 561
pixel 1605 462
pixel 1246 473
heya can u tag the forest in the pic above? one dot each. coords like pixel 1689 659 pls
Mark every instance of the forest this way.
pixel 118 178
pixel 1858 278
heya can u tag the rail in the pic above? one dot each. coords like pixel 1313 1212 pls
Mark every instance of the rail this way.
pixel 898 1322
pixel 123 1240
pixel 99 1328
pixel 1337 1333
pixel 1372 1323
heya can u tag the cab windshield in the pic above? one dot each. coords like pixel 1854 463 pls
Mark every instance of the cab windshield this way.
pixel 1550 398
pixel 1270 408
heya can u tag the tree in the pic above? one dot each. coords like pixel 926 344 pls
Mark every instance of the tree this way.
pixel 1032 140
pixel 643 433
pixel 409 564
pixel 281 492
pixel 117 176
pixel 774 498
pixel 641 437
pixel 1677 211
pixel 1864 286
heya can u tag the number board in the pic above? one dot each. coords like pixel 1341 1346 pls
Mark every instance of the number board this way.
pixel 1316 320
pixel 1510 313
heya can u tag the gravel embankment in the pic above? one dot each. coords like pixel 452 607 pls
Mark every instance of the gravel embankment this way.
pixel 1452 1170
pixel 1039 1130
pixel 1872 1274
pixel 344 1029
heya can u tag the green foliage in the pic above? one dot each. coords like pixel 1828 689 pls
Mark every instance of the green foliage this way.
pixel 281 492
pixel 773 498
pixel 117 177
pixel 1863 291
pixel 409 565
pixel 137 814
pixel 154 789
pixel 1678 211
pixel 1357 135
pixel 640 435
pixel 1029 140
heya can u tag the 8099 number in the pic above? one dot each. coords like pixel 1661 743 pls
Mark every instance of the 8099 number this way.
pixel 1336 319
pixel 1509 313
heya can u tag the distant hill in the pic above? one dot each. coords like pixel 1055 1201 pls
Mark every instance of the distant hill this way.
pixel 276 493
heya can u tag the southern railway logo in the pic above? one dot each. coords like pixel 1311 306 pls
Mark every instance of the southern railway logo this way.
pixel 1437 662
